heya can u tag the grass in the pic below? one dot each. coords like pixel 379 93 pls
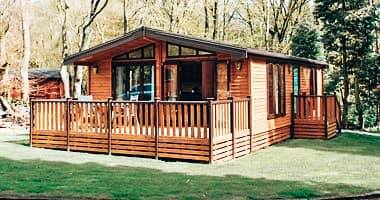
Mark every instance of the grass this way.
pixel 92 180
pixel 270 175
pixel 347 143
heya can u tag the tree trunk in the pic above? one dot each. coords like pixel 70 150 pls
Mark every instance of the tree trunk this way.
pixel 215 20
pixel 78 81
pixel 26 45
pixel 95 8
pixel 346 83
pixel 206 25
pixel 359 108
pixel 65 75
pixel 125 19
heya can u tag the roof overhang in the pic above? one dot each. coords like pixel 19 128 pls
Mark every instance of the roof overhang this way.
pixel 278 57
pixel 144 35
pixel 154 34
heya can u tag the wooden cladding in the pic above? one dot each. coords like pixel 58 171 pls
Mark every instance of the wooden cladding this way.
pixel 179 130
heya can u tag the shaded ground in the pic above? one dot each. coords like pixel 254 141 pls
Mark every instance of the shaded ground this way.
pixel 346 165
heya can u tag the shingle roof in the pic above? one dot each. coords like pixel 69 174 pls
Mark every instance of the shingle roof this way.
pixel 191 41
pixel 44 73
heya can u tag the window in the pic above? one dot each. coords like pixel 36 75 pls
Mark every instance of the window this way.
pixel 146 52
pixel 296 80
pixel 174 50
pixel 133 82
pixel 188 51
pixel 135 54
pixel 313 82
pixel 276 90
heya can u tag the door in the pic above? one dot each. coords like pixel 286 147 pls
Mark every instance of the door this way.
pixel 222 80
pixel 171 91
pixel 190 82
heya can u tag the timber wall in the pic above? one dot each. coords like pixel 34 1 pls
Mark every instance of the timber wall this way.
pixel 268 131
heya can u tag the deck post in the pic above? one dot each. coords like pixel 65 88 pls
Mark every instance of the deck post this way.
pixel 325 111
pixel 250 122
pixel 232 125
pixel 304 107
pixel 211 128
pixel 67 123
pixel 31 113
pixel 335 115
pixel 156 124
pixel 109 124
pixel 292 115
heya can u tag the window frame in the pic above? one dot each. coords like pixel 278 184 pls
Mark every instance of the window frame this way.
pixel 141 49
pixel 276 90
pixel 313 82
pixel 140 65
pixel 197 50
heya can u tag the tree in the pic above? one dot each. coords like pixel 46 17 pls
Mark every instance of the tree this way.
pixel 95 7
pixel 305 42
pixel 26 44
pixel 347 37
pixel 4 28
pixel 63 7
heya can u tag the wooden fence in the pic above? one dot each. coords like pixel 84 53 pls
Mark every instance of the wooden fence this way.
pixel 315 116
pixel 202 130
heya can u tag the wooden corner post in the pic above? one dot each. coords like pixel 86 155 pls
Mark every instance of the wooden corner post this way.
pixel 325 112
pixel 109 124
pixel 250 122
pixel 156 124
pixel 211 128
pixel 292 115
pixel 67 122
pixel 232 125
pixel 31 113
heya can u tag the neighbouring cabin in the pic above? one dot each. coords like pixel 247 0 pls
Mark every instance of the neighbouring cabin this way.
pixel 166 95
pixel 45 83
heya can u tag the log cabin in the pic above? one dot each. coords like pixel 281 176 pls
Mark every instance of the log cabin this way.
pixel 45 83
pixel 165 95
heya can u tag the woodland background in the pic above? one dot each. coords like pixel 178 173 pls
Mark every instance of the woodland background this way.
pixel 344 33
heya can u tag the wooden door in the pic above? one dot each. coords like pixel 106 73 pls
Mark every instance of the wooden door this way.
pixel 208 79
pixel 171 92
pixel 222 80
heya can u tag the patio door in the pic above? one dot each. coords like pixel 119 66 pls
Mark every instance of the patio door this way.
pixel 133 82
pixel 183 81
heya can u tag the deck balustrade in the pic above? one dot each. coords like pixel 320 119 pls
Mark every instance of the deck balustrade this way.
pixel 165 129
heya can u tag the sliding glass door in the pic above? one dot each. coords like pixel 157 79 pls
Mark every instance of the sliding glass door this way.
pixel 133 82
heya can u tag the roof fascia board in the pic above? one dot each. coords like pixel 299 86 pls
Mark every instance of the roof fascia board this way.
pixel 108 45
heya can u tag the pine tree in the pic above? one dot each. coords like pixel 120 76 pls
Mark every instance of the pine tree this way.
pixel 347 37
pixel 305 42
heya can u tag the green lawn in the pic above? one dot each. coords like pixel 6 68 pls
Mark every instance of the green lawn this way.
pixel 59 179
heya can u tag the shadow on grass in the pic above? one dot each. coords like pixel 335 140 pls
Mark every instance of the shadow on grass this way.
pixel 345 143
pixel 57 179
pixel 20 142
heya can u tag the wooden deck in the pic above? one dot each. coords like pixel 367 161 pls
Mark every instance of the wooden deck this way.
pixel 315 117
pixel 203 131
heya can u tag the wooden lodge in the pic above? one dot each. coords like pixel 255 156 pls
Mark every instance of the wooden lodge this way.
pixel 165 95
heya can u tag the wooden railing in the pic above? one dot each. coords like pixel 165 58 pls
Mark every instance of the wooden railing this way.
pixel 316 107
pixel 151 128
pixel 183 119
pixel 50 115
pixel 321 110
